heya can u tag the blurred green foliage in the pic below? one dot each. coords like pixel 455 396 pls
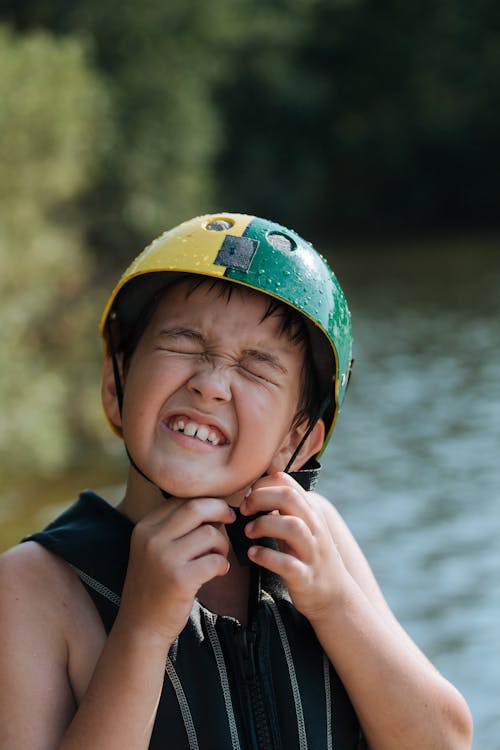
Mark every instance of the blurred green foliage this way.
pixel 118 119
pixel 161 63
pixel 52 106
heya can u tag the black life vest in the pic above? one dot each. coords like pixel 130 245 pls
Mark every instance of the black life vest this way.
pixel 264 686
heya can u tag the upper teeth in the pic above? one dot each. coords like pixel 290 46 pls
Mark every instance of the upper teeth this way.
pixel 202 432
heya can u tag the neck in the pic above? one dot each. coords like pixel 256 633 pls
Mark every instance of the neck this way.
pixel 228 595
pixel 141 497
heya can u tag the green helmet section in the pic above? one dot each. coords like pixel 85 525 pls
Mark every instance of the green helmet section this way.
pixel 289 268
pixel 263 256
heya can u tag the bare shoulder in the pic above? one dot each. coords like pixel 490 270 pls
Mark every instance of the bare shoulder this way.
pixel 351 553
pixel 43 612
pixel 330 511
pixel 32 580
pixel 358 566
pixel 33 648
pixel 30 565
pixel 40 592
pixel 337 526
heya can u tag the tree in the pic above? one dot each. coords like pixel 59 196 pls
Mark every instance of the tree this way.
pixel 53 105
pixel 373 116
pixel 159 62
pixel 354 116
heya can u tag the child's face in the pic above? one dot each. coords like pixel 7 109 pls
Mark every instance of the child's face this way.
pixel 211 366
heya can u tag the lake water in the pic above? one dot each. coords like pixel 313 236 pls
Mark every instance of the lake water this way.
pixel 414 462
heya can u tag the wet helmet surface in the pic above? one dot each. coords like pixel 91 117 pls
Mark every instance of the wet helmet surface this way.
pixel 261 255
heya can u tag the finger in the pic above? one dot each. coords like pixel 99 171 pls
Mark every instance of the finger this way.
pixel 189 514
pixel 201 541
pixel 286 566
pixel 288 529
pixel 287 499
pixel 278 478
pixel 207 567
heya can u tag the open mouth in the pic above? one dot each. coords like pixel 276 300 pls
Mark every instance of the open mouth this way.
pixel 205 432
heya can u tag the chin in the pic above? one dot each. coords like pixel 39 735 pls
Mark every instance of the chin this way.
pixel 186 488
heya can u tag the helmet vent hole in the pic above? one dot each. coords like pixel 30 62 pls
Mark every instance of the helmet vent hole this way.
pixel 220 225
pixel 281 242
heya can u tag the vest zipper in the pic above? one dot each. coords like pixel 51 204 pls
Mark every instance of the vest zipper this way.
pixel 246 638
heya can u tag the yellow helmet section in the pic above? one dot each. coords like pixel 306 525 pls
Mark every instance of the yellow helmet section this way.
pixel 191 249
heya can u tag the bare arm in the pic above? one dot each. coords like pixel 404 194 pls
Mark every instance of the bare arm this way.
pixel 57 693
pixel 42 669
pixel 36 700
pixel 401 699
pixel 402 702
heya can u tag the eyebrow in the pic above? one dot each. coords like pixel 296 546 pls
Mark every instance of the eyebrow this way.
pixel 259 355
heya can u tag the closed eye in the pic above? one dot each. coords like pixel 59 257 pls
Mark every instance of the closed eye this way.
pixel 254 374
pixel 263 365
pixel 181 341
pixel 261 359
pixel 254 363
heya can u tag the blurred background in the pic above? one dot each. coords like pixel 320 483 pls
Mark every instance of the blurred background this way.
pixel 372 127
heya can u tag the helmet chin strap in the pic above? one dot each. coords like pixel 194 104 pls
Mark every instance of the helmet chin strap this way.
pixel 119 397
pixel 306 477
pixel 312 424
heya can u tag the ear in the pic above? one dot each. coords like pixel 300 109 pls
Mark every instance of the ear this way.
pixel 311 447
pixel 108 395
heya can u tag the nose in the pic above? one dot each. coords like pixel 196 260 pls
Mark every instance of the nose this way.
pixel 211 382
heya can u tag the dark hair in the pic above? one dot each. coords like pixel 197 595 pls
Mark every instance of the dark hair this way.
pixel 292 325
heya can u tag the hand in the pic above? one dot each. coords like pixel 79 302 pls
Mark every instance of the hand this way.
pixel 175 549
pixel 307 560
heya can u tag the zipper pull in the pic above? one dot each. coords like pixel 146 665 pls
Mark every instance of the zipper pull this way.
pixel 246 653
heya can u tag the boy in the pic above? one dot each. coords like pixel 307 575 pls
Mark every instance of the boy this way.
pixel 223 604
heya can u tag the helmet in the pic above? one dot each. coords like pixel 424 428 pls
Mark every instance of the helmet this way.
pixel 263 256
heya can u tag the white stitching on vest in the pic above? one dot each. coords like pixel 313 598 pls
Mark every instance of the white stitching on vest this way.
pixel 170 669
pixel 183 705
pixel 301 727
pixel 97 586
pixel 221 666
pixel 328 700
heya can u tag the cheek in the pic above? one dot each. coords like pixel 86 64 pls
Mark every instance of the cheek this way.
pixel 145 389
pixel 156 374
pixel 264 416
